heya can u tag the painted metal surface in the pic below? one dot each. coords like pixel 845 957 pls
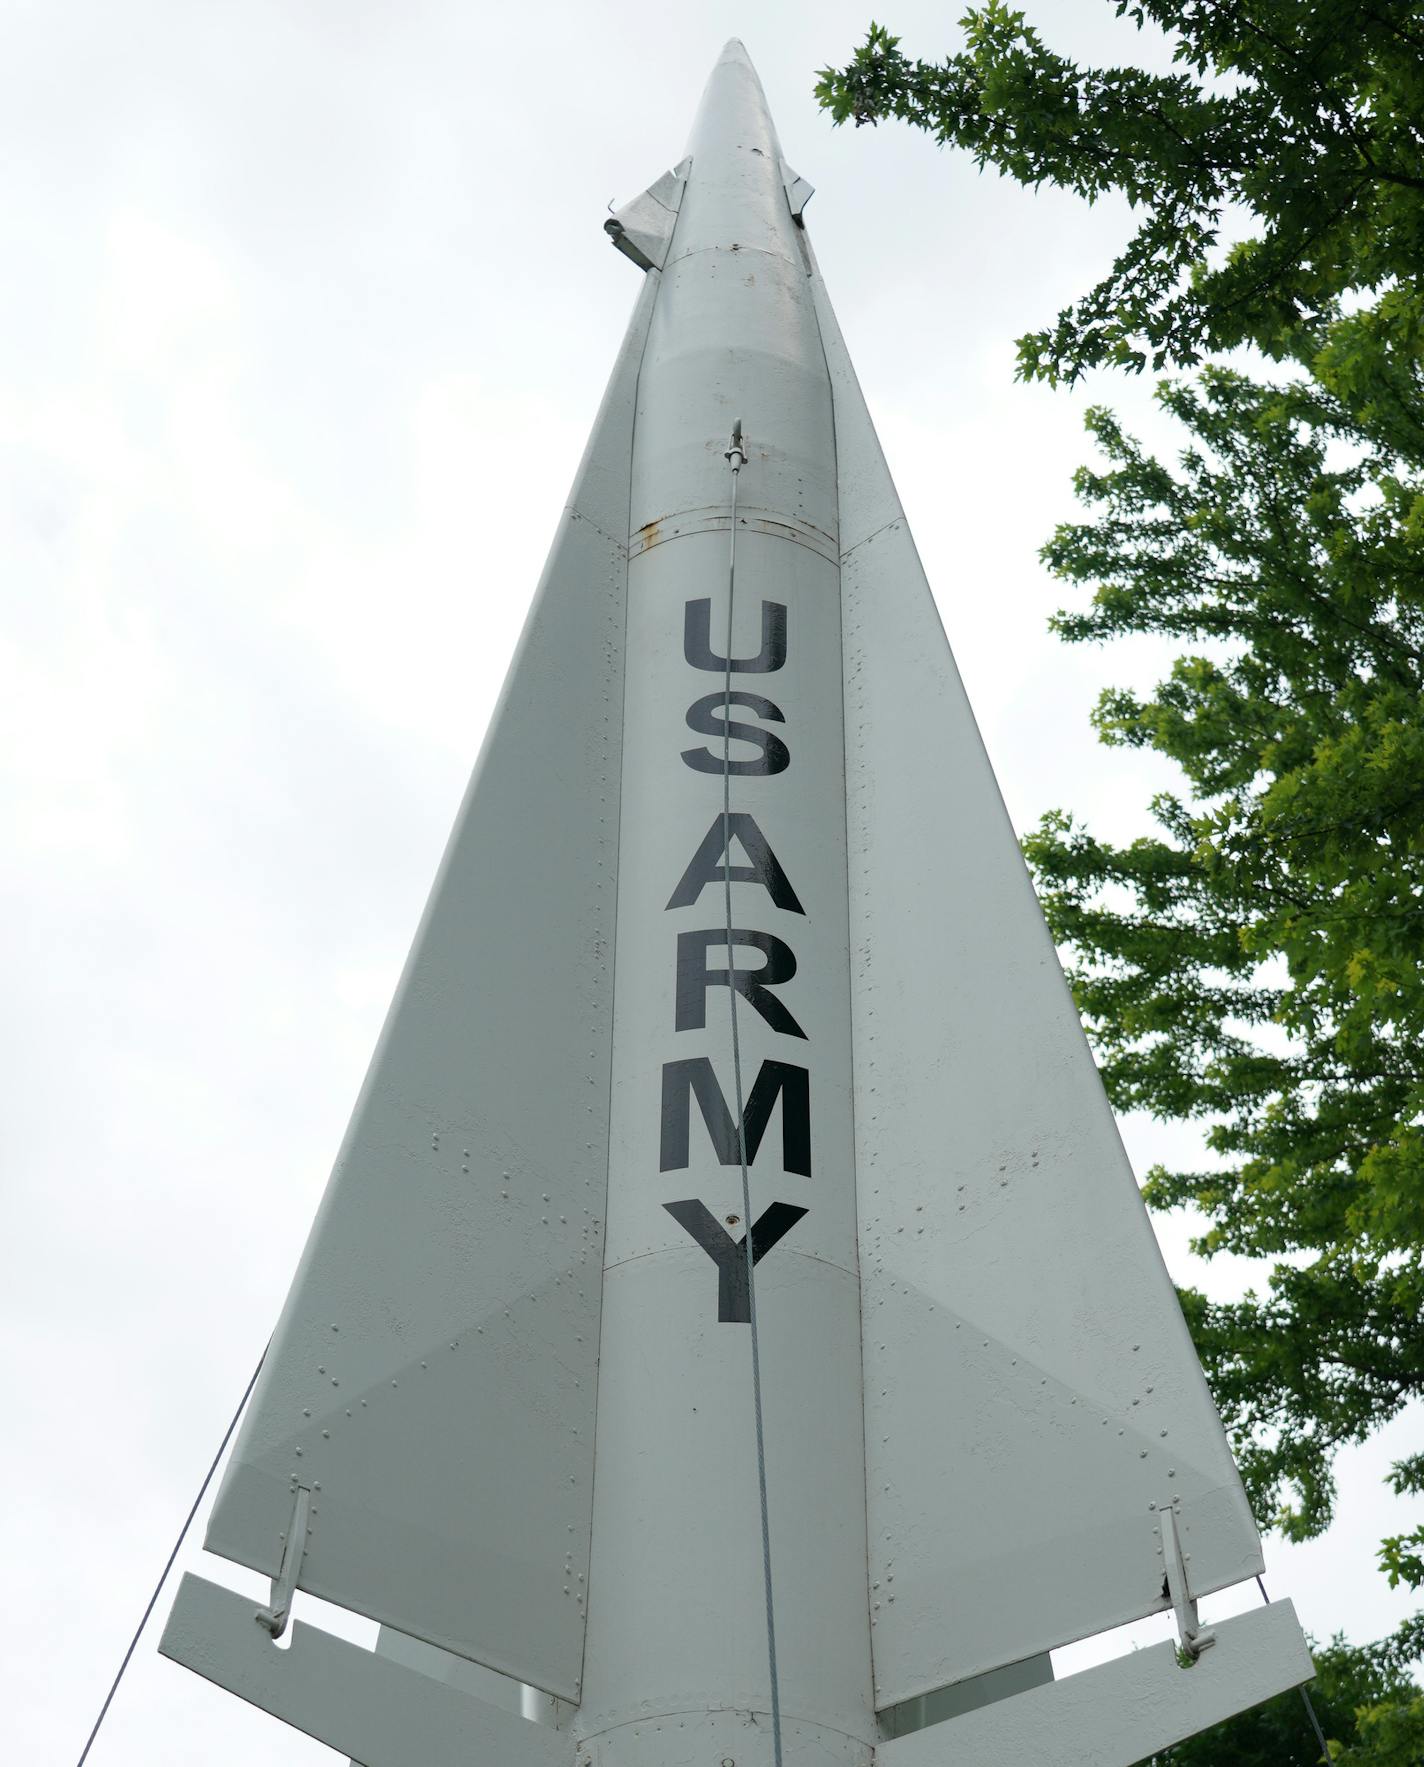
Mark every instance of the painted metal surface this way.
pixel 676 1598
pixel 458 1672
pixel 1124 1711
pixel 433 1376
pixel 1031 1393
pixel 979 1392
pixel 642 229
pixel 965 1696
pixel 367 1705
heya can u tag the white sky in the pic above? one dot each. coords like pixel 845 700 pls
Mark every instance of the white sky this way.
pixel 305 310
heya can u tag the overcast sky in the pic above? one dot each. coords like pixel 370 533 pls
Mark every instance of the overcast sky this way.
pixel 305 309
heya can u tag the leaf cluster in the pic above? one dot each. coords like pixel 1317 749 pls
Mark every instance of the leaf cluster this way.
pixel 1256 963
pixel 1304 114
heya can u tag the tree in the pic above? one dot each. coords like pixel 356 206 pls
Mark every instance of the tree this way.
pixel 1255 963
pixel 1304 114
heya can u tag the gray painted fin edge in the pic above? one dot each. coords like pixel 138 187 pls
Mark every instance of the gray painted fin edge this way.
pixel 413 1251
pixel 1121 1712
pixel 375 1710
pixel 1010 1274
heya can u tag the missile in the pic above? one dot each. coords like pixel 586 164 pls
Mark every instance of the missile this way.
pixel 732 1332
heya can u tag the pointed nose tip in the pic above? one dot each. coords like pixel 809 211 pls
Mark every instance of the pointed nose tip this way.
pixel 733 104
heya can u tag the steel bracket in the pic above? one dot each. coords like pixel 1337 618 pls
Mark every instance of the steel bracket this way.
pixel 273 1619
pixel 1190 1636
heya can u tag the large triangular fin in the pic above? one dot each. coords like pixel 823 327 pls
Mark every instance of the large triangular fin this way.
pixel 449 1293
pixel 1032 1395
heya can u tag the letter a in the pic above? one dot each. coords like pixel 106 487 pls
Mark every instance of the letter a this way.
pixel 708 864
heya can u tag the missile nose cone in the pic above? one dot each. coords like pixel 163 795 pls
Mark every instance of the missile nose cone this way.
pixel 736 195
pixel 733 113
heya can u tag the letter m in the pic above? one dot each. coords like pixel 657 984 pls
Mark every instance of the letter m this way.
pixel 685 1080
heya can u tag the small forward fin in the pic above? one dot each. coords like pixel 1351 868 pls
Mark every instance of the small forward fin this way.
pixel 799 192
pixel 642 229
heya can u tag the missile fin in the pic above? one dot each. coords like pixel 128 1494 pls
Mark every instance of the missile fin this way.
pixel 799 192
pixel 1124 1711
pixel 642 229
pixel 1032 1395
pixel 368 1704
pixel 432 1380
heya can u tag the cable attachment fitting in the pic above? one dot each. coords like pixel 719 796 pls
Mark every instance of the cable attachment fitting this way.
pixel 273 1619
pixel 735 453
pixel 1190 1636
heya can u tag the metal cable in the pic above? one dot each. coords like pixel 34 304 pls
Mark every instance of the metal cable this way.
pixel 736 458
pixel 1304 1692
pixel 177 1546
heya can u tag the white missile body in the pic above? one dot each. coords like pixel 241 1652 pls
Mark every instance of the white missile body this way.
pixel 508 1410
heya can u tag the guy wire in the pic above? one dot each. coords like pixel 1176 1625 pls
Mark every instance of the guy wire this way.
pixel 163 1574
pixel 736 458
pixel 1304 1692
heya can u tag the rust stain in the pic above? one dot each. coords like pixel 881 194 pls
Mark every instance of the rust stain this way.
pixel 648 534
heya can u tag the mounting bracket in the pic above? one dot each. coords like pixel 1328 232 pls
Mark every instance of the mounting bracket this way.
pixel 1189 1633
pixel 273 1619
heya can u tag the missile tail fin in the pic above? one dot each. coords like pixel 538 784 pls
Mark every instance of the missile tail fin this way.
pixel 1033 1399
pixel 432 1379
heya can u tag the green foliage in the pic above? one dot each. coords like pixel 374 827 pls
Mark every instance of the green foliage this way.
pixel 1256 963
pixel 1305 114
